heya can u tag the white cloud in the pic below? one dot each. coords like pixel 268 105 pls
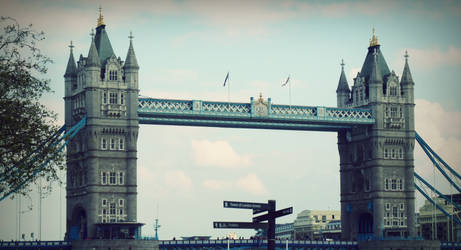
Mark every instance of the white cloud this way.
pixel 178 180
pixel 441 130
pixel 250 184
pixel 218 154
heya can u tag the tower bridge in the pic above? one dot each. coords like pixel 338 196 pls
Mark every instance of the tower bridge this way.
pixel 374 121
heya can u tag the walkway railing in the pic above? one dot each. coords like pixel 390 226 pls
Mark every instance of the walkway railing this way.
pixel 256 114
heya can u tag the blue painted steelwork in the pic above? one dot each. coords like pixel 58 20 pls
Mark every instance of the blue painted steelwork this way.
pixel 432 155
pixel 259 114
pixel 54 142
pixel 437 205
pixel 437 191
pixel 251 244
pixel 42 245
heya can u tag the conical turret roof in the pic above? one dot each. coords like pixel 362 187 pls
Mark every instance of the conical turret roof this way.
pixel 93 58
pixel 370 63
pixel 343 86
pixel 406 75
pixel 71 69
pixel 131 61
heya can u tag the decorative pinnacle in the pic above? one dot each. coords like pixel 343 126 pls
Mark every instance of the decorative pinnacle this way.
pixel 342 64
pixel 131 36
pixel 71 46
pixel 406 56
pixel 374 39
pixel 261 97
pixel 92 33
pixel 100 18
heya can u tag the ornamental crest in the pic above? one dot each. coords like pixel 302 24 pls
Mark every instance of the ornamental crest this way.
pixel 260 107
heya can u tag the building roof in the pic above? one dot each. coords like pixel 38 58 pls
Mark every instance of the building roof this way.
pixel 102 43
pixel 369 64
pixel 343 86
pixel 71 69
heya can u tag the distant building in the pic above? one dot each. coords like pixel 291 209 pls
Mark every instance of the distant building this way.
pixel 284 231
pixel 435 225
pixel 310 224
pixel 332 230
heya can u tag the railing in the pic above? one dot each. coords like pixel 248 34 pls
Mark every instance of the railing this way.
pixel 35 244
pixel 256 114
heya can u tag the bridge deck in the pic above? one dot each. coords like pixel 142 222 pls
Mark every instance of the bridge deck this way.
pixel 257 114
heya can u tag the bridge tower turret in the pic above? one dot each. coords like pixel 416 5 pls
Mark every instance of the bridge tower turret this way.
pixel 343 92
pixel 101 159
pixel 376 162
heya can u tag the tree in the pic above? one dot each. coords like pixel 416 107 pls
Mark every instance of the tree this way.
pixel 26 125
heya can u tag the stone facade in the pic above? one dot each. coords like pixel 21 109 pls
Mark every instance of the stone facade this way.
pixel 376 162
pixel 101 159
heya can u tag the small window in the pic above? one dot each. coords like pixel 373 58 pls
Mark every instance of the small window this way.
pixel 393 154
pixel 393 111
pixel 103 178
pixel 388 214
pixel 113 98
pixel 112 143
pixel 112 209
pixel 400 184
pixel 121 178
pixel 121 145
pixel 388 206
pixel 122 98
pixel 104 211
pixel 386 184
pixel 402 206
pixel 120 211
pixel 104 202
pixel 112 180
pixel 394 212
pixel 121 202
pixel 400 153
pixel 103 143
pixel 386 153
pixel 394 184
pixel 104 98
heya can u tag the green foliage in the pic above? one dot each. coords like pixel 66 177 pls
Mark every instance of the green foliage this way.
pixel 26 125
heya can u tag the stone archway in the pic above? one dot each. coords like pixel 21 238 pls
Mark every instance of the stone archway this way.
pixel 365 226
pixel 78 226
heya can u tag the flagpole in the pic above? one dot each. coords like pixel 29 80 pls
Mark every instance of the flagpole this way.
pixel 289 90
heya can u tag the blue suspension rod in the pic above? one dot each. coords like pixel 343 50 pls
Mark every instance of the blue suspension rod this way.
pixel 437 205
pixel 438 167
pixel 67 137
pixel 437 191
pixel 420 140
pixel 27 160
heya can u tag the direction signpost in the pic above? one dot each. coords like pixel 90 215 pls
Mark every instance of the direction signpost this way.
pixel 257 208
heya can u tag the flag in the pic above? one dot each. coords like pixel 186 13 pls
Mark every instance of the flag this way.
pixel 286 82
pixel 225 80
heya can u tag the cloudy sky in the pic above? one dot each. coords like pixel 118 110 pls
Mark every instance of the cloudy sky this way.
pixel 185 49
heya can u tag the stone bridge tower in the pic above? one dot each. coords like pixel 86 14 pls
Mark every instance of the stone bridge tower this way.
pixel 101 159
pixel 376 162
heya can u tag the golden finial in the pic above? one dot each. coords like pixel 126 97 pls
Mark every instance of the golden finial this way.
pixel 100 18
pixel 374 39
pixel 261 97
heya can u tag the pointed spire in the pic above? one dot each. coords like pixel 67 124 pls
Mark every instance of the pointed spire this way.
pixel 100 18
pixel 406 75
pixel 375 75
pixel 131 61
pixel 374 39
pixel 343 86
pixel 71 69
pixel 93 58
